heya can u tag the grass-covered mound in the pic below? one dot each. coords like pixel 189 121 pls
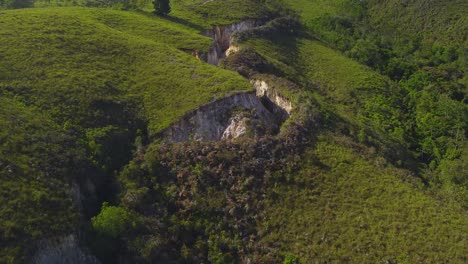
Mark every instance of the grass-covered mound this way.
pixel 64 60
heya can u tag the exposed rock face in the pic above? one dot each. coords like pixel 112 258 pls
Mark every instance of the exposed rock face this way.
pixel 217 120
pixel 62 250
pixel 222 119
pixel 222 39
pixel 237 128
pixel 231 50
pixel 210 122
pixel 277 104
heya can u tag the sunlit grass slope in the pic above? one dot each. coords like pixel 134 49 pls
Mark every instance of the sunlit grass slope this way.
pixel 348 205
pixel 336 75
pixel 63 60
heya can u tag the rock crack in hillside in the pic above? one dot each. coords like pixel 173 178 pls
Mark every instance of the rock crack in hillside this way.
pixel 243 114
pixel 222 39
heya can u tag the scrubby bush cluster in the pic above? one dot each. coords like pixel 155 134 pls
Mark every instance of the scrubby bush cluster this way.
pixel 201 201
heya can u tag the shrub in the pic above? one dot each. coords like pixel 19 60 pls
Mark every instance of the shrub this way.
pixel 290 259
pixel 112 221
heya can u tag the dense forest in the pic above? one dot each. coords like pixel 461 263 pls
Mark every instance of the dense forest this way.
pixel 233 131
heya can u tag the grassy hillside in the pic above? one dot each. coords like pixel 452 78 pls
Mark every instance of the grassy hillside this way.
pixel 347 205
pixel 365 100
pixel 35 179
pixel 69 58
pixel 104 77
pixel 334 201
pixel 420 46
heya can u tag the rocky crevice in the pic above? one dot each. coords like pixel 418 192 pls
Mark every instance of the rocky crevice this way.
pixel 215 121
pixel 220 120
pixel 223 39
pixel 273 99
pixel 226 119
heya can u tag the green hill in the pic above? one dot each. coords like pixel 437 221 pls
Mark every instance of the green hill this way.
pixel 92 57
pixel 370 166
pixel 346 206
pixel 99 76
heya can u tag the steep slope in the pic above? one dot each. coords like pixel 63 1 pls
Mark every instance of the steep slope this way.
pixel 346 204
pixel 356 95
pixel 35 180
pixel 307 195
pixel 421 47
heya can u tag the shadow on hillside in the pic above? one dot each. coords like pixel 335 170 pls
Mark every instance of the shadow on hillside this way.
pixel 287 52
pixel 185 22
pixel 174 19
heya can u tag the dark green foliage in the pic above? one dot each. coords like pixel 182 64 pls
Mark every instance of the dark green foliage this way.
pixel 162 7
pixel 112 229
